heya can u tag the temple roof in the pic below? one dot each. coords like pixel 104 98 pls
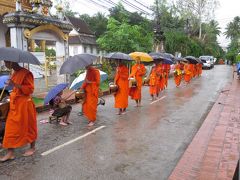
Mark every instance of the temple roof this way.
pixel 8 6
pixel 80 26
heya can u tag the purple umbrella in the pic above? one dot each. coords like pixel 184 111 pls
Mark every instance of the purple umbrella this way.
pixel 54 92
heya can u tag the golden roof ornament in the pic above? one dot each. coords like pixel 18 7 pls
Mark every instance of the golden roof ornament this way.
pixel 41 7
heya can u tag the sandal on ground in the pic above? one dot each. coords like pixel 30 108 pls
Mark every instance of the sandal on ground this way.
pixel 63 123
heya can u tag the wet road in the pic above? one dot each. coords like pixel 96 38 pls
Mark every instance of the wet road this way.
pixel 145 143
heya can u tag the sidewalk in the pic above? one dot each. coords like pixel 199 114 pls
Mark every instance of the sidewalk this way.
pixel 214 151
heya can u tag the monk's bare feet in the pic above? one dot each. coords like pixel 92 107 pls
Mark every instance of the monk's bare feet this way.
pixel 124 112
pixel 29 152
pixel 90 124
pixel 7 157
pixel 63 123
pixel 69 122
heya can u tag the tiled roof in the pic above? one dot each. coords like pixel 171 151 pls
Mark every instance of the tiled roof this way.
pixel 80 26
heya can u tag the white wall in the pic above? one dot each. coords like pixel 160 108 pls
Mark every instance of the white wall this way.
pixel 3 30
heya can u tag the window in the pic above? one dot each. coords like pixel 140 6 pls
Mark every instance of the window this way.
pixel 85 49
pixel 91 49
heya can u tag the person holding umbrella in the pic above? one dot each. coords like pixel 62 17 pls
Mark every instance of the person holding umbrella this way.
pixel 138 71
pixel 21 124
pixel 177 74
pixel 187 73
pixel 90 84
pixel 121 80
pixel 153 81
pixel 91 88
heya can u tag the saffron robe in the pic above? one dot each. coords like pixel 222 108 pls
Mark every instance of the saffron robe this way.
pixel 21 124
pixel 121 79
pixel 177 75
pixel 91 91
pixel 138 71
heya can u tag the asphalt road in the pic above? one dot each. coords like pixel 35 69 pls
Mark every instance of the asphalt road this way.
pixel 145 143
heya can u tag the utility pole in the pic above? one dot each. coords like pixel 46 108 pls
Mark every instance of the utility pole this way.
pixel 158 33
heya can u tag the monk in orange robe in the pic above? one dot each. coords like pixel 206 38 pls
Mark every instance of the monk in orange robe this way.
pixel 21 123
pixel 200 69
pixel 138 71
pixel 91 88
pixel 166 68
pixel 121 80
pixel 187 73
pixel 177 74
pixel 153 82
pixel 160 78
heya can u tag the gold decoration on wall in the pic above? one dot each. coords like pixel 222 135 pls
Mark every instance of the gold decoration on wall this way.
pixel 29 33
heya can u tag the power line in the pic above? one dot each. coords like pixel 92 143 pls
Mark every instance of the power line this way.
pixel 143 5
pixel 95 3
pixel 135 7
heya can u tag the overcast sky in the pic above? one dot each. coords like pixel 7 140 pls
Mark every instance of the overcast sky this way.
pixel 225 13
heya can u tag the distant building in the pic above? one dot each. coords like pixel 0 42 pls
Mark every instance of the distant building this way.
pixel 81 38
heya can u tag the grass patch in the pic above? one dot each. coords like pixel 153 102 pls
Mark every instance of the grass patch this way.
pixel 38 101
pixel 104 85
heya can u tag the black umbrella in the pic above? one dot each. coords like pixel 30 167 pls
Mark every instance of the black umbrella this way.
pixel 118 56
pixel 18 56
pixel 191 59
pixel 74 63
pixel 161 56
pixel 170 56
pixel 181 59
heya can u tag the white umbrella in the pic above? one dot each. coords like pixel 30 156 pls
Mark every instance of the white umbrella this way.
pixel 77 83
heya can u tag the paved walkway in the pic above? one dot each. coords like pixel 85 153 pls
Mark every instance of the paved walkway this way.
pixel 214 151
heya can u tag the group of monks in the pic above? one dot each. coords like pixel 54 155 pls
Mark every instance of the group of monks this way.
pixel 21 123
pixel 186 71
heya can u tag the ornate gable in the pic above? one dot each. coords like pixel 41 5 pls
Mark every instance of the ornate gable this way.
pixel 8 6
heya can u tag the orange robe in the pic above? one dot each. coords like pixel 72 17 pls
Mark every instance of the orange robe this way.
pixel 166 68
pixel 91 90
pixel 153 81
pixel 177 75
pixel 160 80
pixel 187 73
pixel 162 74
pixel 192 70
pixel 200 69
pixel 136 93
pixel 21 124
pixel 121 79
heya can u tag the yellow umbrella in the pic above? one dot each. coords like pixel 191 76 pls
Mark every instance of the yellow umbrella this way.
pixel 143 56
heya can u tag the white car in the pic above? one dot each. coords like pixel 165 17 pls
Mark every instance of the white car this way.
pixel 208 62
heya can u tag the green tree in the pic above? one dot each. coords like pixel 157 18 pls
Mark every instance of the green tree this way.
pixel 97 23
pixel 233 29
pixel 200 9
pixel 125 38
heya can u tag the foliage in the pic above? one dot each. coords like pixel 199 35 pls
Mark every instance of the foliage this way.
pixel 200 10
pixel 50 52
pixel 97 23
pixel 233 32
pixel 107 68
pixel 125 38
pixel 233 28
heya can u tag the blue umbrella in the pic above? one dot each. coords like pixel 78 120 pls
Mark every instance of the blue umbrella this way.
pixel 77 83
pixel 54 92
pixel 3 80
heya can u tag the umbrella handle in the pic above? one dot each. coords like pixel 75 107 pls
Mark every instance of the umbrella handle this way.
pixel 2 92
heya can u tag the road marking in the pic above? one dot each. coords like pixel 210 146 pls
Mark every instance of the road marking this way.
pixel 158 100
pixel 71 141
